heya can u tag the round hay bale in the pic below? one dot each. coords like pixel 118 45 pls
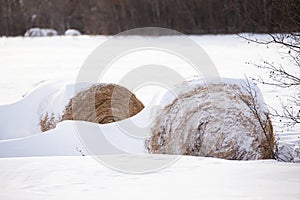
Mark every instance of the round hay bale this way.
pixel 216 120
pixel 40 32
pixel 103 103
pixel 72 32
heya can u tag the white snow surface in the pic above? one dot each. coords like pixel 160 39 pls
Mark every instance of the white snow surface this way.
pixel 76 177
pixel 48 66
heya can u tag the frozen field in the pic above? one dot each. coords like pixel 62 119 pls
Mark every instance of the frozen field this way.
pixel 44 68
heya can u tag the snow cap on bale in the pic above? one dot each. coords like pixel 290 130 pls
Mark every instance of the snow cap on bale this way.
pixel 226 120
pixel 103 103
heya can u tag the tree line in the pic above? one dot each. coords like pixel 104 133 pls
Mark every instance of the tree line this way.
pixel 113 16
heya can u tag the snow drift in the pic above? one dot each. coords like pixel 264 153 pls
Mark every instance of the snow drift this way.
pixel 21 118
pixel 21 136
pixel 225 120
pixel 50 102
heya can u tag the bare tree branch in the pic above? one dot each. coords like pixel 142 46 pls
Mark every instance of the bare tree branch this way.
pixel 253 106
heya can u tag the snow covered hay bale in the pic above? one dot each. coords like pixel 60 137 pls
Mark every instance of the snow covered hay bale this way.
pixel 72 32
pixel 40 32
pixel 226 120
pixel 103 103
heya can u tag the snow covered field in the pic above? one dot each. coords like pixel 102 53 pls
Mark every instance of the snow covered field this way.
pixel 25 63
pixel 188 178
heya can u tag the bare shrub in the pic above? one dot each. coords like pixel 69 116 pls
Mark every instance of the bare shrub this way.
pixel 285 77
pixel 249 97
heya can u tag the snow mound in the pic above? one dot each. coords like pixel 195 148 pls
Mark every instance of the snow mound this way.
pixel 22 118
pixel 40 32
pixel 65 140
pixel 221 119
pixel 288 147
pixel 22 136
pixel 72 32
pixel 51 102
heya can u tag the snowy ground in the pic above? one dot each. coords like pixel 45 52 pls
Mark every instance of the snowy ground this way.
pixel 27 62
pixel 189 178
